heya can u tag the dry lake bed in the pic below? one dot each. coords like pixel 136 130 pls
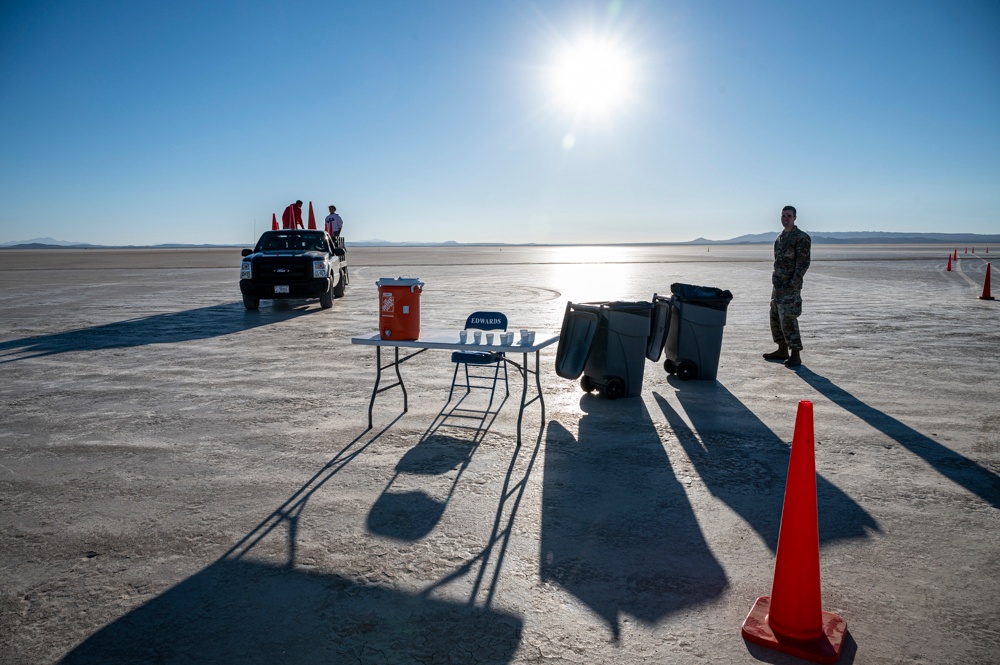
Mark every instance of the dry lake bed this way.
pixel 184 481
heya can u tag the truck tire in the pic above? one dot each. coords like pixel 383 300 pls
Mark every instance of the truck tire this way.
pixel 251 303
pixel 326 300
pixel 338 289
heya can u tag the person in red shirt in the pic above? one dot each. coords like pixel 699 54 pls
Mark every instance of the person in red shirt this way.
pixel 292 217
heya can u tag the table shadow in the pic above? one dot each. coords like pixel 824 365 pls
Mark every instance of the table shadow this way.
pixel 238 611
pixel 618 531
pixel 185 326
pixel 745 464
pixel 955 467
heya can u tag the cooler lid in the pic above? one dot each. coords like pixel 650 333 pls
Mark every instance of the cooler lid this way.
pixel 410 282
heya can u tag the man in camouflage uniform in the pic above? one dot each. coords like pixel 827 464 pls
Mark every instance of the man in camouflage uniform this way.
pixel 791 260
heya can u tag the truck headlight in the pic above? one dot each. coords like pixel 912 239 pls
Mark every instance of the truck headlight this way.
pixel 246 272
pixel 320 269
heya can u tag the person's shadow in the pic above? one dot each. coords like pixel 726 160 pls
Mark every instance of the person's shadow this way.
pixel 618 531
pixel 745 464
pixel 959 469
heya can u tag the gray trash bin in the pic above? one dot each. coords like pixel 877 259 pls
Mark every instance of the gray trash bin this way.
pixel 687 327
pixel 606 342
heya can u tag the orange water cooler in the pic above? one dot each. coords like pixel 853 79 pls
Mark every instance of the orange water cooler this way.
pixel 399 307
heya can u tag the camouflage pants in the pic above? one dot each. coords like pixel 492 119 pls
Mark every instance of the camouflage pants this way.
pixel 786 306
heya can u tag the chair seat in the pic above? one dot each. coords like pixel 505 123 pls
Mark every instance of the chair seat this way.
pixel 474 357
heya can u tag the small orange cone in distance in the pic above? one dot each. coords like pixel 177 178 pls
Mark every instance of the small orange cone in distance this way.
pixel 274 222
pixel 986 286
pixel 792 619
pixel 312 217
pixel 949 263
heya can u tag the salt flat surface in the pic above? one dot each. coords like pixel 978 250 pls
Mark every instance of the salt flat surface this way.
pixel 184 481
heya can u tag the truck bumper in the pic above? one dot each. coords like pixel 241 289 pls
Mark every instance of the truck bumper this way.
pixel 312 288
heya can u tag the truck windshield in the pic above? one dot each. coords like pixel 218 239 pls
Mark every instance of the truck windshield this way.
pixel 277 241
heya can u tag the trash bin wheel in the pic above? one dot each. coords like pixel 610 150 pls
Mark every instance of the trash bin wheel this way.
pixel 586 384
pixel 614 388
pixel 687 370
pixel 670 366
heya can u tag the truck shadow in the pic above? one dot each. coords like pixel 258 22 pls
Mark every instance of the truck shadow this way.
pixel 192 324
pixel 743 463
pixel 618 531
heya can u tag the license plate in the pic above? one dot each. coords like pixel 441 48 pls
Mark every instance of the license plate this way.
pixel 281 289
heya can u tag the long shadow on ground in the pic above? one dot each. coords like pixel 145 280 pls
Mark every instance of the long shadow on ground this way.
pixel 246 612
pixel 955 467
pixel 745 464
pixel 242 611
pixel 617 529
pixel 192 324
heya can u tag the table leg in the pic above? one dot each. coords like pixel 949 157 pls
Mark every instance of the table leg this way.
pixel 399 378
pixel 523 369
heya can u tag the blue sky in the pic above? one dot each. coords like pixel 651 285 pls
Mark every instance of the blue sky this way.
pixel 144 123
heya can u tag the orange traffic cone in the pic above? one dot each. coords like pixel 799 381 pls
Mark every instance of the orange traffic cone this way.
pixel 949 263
pixel 312 217
pixel 274 222
pixel 966 250
pixel 791 619
pixel 986 286
pixel 956 254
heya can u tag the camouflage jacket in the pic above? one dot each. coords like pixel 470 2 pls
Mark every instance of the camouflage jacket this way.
pixel 791 259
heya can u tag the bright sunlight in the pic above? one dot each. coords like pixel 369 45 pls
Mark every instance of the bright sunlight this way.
pixel 593 77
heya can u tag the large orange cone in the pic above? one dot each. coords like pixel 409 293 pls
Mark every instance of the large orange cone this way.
pixel 274 222
pixel 312 217
pixel 791 619
pixel 986 286
pixel 949 263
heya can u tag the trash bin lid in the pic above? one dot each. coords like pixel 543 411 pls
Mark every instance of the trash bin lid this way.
pixel 707 296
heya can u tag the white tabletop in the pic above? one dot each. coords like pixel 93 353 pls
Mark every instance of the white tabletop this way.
pixel 448 340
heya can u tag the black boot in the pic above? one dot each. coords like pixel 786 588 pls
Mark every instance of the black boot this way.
pixel 793 360
pixel 781 353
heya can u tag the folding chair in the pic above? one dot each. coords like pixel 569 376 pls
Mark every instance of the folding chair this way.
pixel 483 361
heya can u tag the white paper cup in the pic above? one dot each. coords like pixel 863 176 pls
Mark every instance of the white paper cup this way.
pixel 524 335
pixel 489 339
pixel 463 335
pixel 531 337
pixel 477 336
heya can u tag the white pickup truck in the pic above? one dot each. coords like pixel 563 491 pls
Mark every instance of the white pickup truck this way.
pixel 294 264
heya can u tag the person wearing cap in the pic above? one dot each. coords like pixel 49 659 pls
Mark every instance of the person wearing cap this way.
pixel 334 224
pixel 292 217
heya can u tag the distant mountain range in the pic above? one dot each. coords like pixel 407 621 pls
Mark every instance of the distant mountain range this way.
pixel 860 238
pixel 818 237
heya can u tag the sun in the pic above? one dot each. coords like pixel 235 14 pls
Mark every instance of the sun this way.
pixel 593 77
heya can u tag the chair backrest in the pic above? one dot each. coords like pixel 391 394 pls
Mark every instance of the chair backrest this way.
pixel 486 321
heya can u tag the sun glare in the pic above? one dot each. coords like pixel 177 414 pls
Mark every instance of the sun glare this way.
pixel 593 77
